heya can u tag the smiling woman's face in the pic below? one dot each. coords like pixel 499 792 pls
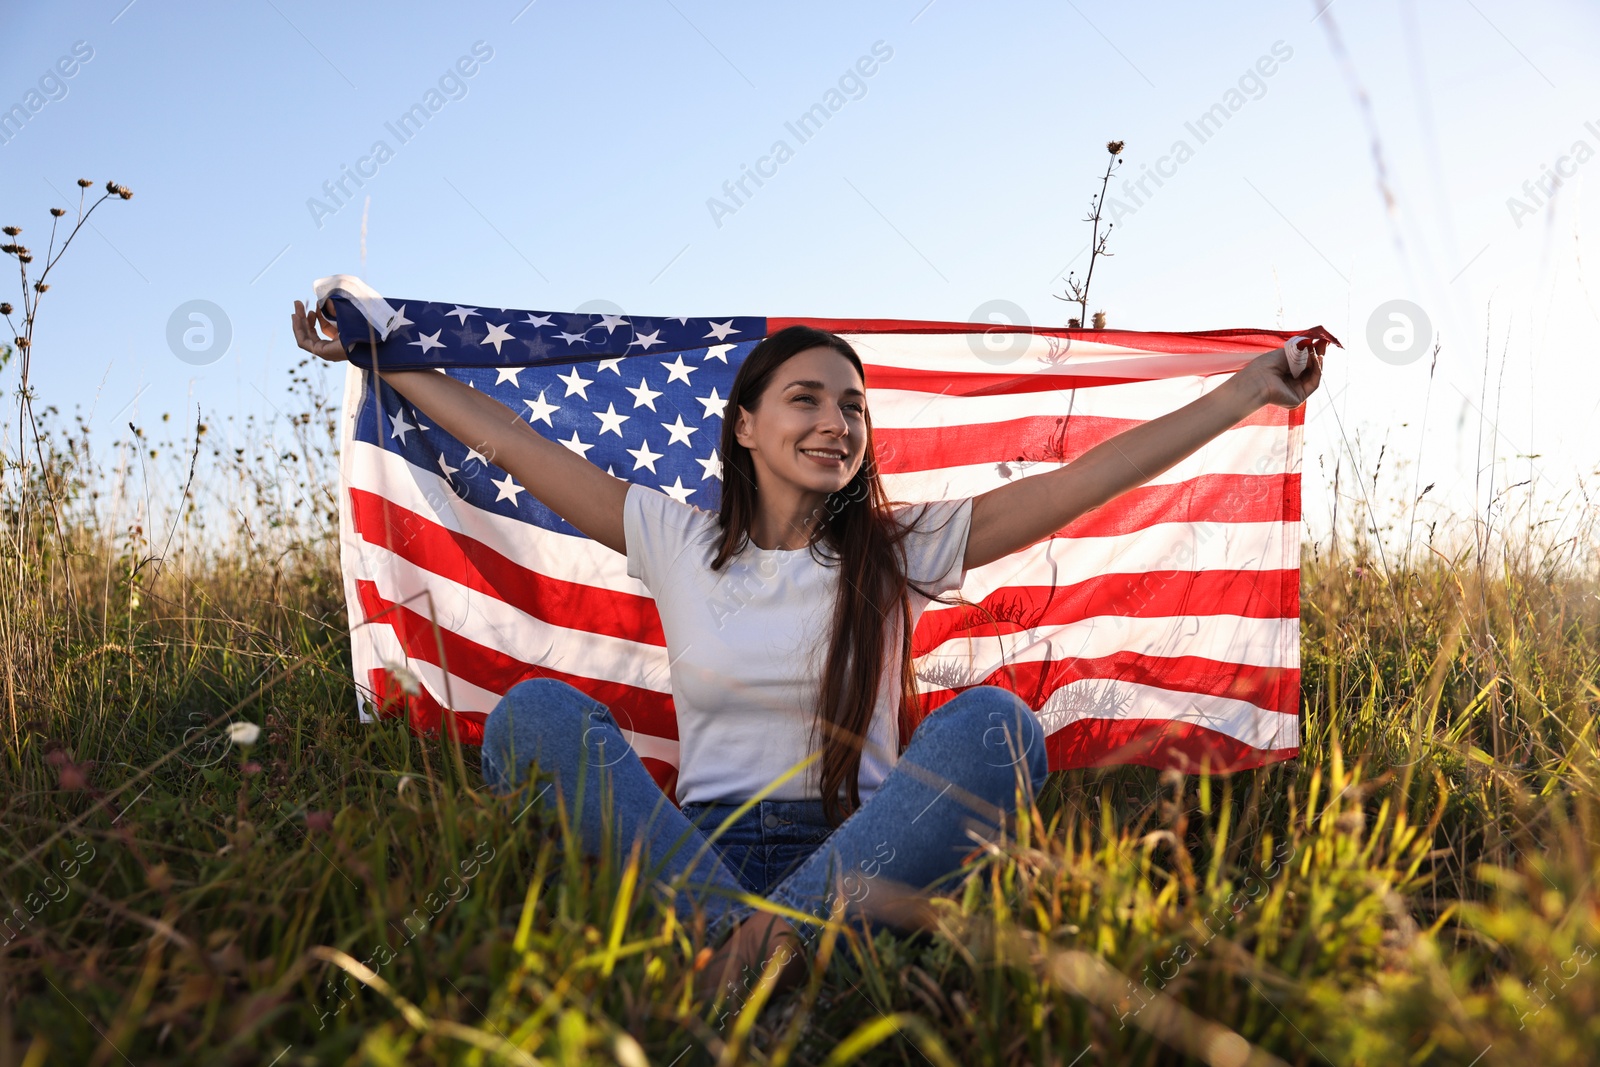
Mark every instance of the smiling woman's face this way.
pixel 814 402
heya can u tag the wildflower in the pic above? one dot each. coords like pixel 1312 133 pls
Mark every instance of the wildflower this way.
pixel 5 309
pixel 406 680
pixel 628 1052
pixel 1099 320
pixel 111 187
pixel 243 733
pixel 57 212
pixel 158 877
pixel 1114 147
pixel 69 775
pixel 11 231
pixel 124 192
pixel 250 769
pixel 84 183
pixel 320 820
pixel 40 287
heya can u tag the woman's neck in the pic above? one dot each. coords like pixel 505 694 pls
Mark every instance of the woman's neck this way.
pixel 785 519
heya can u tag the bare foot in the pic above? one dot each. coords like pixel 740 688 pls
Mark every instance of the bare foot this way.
pixel 763 940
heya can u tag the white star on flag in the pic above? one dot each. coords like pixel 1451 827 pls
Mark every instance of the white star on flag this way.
pixel 575 383
pixel 497 334
pixel 576 445
pixel 461 313
pixel 398 426
pixel 714 404
pixel 678 432
pixel 610 421
pixel 712 466
pixel 677 491
pixel 721 330
pixel 645 340
pixel 643 457
pixel 541 409
pixel 429 341
pixel 678 370
pixel 643 396
pixel 508 489
pixel 508 374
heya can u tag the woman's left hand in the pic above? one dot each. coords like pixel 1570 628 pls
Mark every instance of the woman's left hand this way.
pixel 1273 381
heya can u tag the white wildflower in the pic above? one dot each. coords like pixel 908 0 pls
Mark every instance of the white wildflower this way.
pixel 243 733
pixel 408 682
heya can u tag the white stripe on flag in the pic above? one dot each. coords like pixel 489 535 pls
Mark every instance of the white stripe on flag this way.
pixel 1225 638
pixel 1108 698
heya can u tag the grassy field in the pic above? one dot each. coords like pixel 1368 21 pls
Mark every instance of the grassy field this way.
pixel 1417 888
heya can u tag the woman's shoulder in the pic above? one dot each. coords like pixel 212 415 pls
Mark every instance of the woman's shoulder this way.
pixel 923 516
pixel 934 542
pixel 666 505
pixel 658 527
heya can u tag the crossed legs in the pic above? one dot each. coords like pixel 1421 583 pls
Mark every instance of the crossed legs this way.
pixel 959 780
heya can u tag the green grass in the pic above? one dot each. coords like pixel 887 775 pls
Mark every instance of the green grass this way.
pixel 1417 888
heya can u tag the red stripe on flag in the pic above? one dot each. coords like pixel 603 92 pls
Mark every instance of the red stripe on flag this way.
pixel 423 714
pixel 1275 690
pixel 1137 594
pixel 1152 743
pixel 1230 498
pixel 470 562
pixel 989 384
pixel 1045 438
pixel 1242 341
pixel 641 710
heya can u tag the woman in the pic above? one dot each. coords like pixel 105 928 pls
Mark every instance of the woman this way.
pixel 787 616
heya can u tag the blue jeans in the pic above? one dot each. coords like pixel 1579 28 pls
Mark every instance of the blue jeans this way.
pixel 964 769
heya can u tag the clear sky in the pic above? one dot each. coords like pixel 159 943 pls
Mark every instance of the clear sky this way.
pixel 1363 155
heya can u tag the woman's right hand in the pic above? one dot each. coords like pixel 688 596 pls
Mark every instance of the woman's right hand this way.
pixel 306 336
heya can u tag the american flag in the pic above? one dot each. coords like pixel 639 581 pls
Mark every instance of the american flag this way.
pixel 1161 629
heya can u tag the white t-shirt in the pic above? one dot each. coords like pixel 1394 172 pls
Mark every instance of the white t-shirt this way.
pixel 747 644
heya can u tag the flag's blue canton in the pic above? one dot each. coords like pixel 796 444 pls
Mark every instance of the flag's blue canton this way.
pixel 437 335
pixel 647 418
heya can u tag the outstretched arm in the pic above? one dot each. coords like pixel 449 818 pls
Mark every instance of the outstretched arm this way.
pixel 559 478
pixel 1016 515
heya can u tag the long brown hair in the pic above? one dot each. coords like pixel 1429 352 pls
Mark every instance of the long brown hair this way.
pixel 865 540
